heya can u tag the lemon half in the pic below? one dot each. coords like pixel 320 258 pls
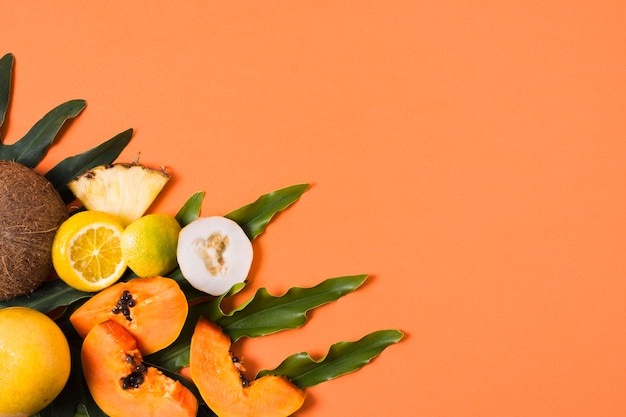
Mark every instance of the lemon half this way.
pixel 86 252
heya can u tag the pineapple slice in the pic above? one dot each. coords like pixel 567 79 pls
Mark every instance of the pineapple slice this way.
pixel 126 190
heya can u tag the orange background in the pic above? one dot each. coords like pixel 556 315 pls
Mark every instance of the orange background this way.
pixel 468 155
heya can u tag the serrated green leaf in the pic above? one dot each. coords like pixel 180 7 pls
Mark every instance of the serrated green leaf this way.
pixel 342 358
pixel 254 217
pixel 266 314
pixel 31 148
pixel 191 209
pixel 6 69
pixel 71 167
pixel 261 315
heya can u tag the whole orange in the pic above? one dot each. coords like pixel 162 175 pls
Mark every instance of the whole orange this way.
pixel 34 361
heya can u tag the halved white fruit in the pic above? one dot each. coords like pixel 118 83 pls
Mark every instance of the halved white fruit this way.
pixel 214 253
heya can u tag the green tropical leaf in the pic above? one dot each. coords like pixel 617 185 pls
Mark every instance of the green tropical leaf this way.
pixel 254 217
pixel 261 315
pixel 71 167
pixel 342 358
pixel 31 148
pixel 6 68
pixel 53 294
pixel 266 314
pixel 191 209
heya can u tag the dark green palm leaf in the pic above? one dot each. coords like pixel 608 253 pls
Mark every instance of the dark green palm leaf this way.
pixel 265 314
pixel 50 296
pixel 254 217
pixel 342 358
pixel 6 68
pixel 191 209
pixel 32 148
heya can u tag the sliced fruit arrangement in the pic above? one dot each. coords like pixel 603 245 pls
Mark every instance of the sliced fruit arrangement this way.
pixel 122 384
pixel 221 380
pixel 93 248
pixel 153 310
pixel 145 290
pixel 126 190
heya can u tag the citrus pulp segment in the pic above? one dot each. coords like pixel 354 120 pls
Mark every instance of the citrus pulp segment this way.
pixel 87 251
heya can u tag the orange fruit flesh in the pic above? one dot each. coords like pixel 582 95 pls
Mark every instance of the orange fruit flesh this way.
pixel 218 380
pixel 156 319
pixel 109 354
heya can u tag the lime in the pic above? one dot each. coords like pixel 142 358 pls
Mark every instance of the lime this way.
pixel 86 252
pixel 149 244
pixel 34 361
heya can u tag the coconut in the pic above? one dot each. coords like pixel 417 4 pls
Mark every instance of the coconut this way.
pixel 31 210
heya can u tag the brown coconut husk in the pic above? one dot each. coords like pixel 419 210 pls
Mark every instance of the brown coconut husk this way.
pixel 31 211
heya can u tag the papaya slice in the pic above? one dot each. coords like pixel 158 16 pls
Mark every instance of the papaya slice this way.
pixel 122 385
pixel 219 377
pixel 153 310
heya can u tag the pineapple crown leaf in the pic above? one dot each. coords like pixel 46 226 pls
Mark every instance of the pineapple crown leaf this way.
pixel 32 147
pixel 71 167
